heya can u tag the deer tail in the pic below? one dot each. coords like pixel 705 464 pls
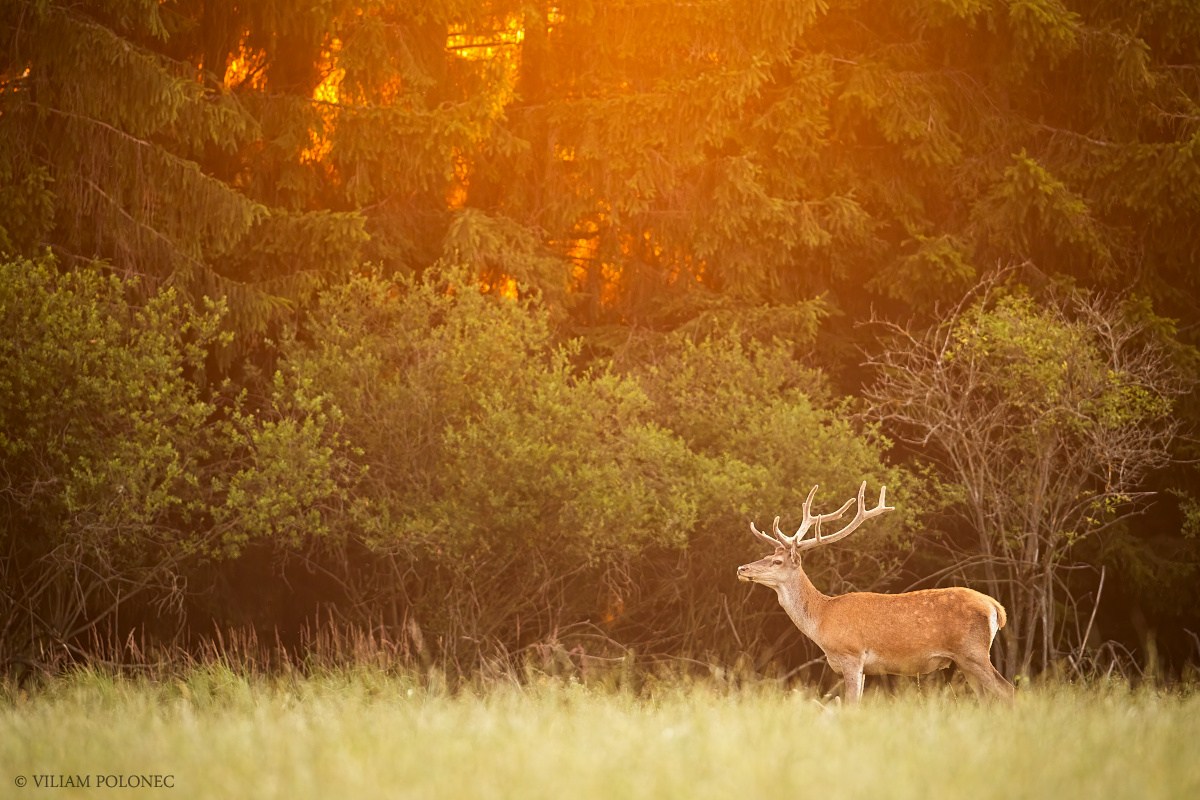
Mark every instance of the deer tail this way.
pixel 1001 616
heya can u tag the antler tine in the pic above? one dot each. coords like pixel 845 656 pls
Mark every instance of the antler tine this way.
pixel 763 536
pixel 783 538
pixel 806 508
pixel 809 519
pixel 806 513
pixel 860 516
pixel 862 490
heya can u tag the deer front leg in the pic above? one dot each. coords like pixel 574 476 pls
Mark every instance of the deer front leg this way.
pixel 852 675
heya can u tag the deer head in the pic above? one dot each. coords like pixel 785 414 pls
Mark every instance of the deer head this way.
pixel 783 564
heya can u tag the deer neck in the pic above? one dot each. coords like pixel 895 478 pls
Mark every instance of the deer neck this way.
pixel 804 603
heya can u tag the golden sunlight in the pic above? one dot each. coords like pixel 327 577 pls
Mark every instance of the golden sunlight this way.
pixel 246 68
pixel 489 45
pixel 325 97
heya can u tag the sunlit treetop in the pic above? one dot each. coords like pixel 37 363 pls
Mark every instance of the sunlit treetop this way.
pixel 645 162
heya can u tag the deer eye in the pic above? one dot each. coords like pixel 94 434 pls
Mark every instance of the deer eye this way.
pixel 777 561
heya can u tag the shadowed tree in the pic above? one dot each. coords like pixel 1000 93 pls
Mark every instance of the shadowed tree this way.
pixel 1045 418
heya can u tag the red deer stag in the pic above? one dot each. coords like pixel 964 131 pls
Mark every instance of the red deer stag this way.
pixel 912 633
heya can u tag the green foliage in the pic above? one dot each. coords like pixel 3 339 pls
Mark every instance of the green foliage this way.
pixel 1052 374
pixel 101 423
pixel 644 179
pixel 767 429
pixel 775 159
pixel 499 250
pixel 1043 30
pixel 633 161
pixel 1049 413
pixel 405 361
pixel 290 485
pixel 505 470
pixel 27 203
pixel 755 404
pixel 934 261
pixel 122 475
pixel 1030 204
pixel 106 445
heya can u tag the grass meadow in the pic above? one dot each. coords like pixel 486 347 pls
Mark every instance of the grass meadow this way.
pixel 368 734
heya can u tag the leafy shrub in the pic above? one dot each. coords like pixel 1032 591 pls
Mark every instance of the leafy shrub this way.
pixel 513 494
pixel 122 475
pixel 427 455
pixel 106 449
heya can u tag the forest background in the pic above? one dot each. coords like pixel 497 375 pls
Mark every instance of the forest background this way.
pixel 479 331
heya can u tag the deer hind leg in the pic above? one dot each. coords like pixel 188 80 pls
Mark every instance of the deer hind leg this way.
pixel 1001 687
pixel 985 679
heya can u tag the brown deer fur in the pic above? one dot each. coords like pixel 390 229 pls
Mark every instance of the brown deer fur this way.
pixel 867 633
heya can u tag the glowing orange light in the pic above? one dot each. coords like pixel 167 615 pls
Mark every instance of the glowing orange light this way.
pixel 456 192
pixel 486 46
pixel 13 85
pixel 325 95
pixel 246 68
pixel 507 288
pixel 614 609
pixel 327 90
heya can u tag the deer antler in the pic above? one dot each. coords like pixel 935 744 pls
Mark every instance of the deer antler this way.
pixel 809 520
pixel 766 538
pixel 797 541
pixel 860 516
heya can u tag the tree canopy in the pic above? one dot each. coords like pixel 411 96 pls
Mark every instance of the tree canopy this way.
pixel 676 217
pixel 642 162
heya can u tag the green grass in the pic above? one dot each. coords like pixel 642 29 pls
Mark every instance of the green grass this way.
pixel 366 734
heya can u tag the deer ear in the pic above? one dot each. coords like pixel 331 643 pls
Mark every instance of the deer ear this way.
pixel 794 552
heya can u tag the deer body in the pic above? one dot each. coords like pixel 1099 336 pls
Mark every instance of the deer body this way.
pixel 866 633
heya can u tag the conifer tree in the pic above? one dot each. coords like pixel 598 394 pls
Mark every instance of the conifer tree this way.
pixel 248 151
pixel 645 161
